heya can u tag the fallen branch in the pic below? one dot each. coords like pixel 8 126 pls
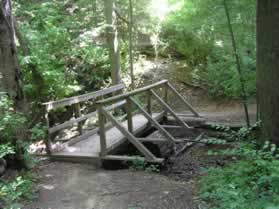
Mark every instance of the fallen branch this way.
pixel 188 146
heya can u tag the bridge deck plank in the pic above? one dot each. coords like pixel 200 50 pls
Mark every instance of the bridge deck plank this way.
pixel 91 146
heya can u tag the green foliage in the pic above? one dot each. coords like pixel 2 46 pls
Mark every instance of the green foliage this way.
pixel 241 134
pixel 14 191
pixel 62 58
pixel 199 31
pixel 10 121
pixel 6 149
pixel 142 165
pixel 38 132
pixel 250 182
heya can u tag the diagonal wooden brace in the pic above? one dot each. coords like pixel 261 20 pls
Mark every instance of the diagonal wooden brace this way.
pixel 168 108
pixel 153 121
pixel 183 100
pixel 149 156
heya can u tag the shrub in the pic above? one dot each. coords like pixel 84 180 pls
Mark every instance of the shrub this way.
pixel 250 182
pixel 13 191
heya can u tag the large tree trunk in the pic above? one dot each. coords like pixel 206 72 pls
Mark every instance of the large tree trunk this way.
pixel 112 39
pixel 10 74
pixel 131 54
pixel 268 67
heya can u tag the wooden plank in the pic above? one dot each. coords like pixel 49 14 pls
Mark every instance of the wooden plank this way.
pixel 137 131
pixel 116 105
pixel 81 98
pixel 166 98
pixel 129 114
pixel 170 126
pixel 132 93
pixel 149 102
pixel 77 115
pixel 168 109
pixel 47 140
pixel 154 122
pixel 103 143
pixel 82 137
pixel 183 100
pixel 129 136
pixel 82 118
pixel 71 122
pixel 132 158
pixel 152 139
pixel 81 158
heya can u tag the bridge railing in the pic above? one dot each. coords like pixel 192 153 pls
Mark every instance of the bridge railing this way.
pixel 130 100
pixel 75 102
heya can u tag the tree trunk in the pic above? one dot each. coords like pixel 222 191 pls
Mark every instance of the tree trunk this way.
pixel 268 67
pixel 95 12
pixel 131 54
pixel 112 39
pixel 10 74
pixel 238 67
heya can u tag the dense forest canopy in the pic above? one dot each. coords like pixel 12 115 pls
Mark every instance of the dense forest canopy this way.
pixel 53 49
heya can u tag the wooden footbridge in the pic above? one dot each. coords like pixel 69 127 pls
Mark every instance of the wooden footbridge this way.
pixel 112 130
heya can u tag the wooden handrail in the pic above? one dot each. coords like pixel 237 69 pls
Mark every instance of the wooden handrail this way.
pixel 132 93
pixel 83 118
pixel 81 98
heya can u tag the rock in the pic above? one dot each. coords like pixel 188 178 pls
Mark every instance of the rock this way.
pixel 3 165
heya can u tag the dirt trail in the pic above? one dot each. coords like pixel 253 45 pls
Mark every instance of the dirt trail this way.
pixel 219 110
pixel 74 186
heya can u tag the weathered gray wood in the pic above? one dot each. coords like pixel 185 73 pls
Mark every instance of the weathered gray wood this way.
pixel 71 122
pixel 81 158
pixel 132 93
pixel 82 137
pixel 77 99
pixel 132 158
pixel 129 114
pixel 109 125
pixel 152 139
pixel 166 98
pixel 116 105
pixel 48 137
pixel 102 130
pixel 158 117
pixel 77 115
pixel 183 100
pixel 168 109
pixel 149 102
pixel 170 126
pixel 84 117
pixel 153 121
pixel 130 137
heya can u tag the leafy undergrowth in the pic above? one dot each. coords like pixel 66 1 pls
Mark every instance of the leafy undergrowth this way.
pixel 250 182
pixel 15 190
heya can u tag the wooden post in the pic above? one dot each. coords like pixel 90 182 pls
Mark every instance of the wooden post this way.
pixel 129 114
pixel 167 109
pixel 149 102
pixel 77 115
pixel 153 121
pixel 182 99
pixel 102 130
pixel 149 156
pixel 166 99
pixel 48 137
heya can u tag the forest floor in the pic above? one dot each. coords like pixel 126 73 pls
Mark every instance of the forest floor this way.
pixel 81 186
